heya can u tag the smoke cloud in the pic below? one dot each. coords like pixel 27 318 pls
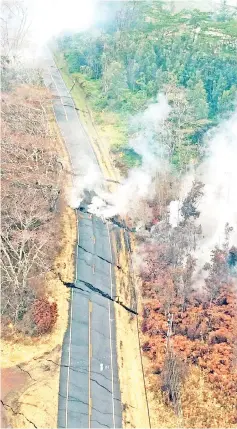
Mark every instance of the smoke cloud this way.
pixel 89 178
pixel 139 183
pixel 218 205
pixel 218 172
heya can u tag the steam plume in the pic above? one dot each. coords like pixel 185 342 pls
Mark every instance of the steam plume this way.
pixel 139 182
pixel 218 172
pixel 218 206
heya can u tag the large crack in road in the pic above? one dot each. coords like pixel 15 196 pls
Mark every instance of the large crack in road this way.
pixel 95 403
pixel 100 292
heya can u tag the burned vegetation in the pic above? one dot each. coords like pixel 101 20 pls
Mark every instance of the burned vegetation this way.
pixel 31 180
pixel 188 322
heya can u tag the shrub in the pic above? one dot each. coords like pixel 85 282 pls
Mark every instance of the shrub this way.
pixel 44 315
pixel 219 336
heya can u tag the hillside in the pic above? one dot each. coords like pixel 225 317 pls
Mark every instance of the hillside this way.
pixel 190 56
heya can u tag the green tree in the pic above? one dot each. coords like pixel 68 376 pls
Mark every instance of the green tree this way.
pixel 114 81
pixel 197 97
pixel 227 101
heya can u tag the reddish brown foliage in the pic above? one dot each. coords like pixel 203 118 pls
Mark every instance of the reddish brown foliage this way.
pixel 44 315
pixel 200 336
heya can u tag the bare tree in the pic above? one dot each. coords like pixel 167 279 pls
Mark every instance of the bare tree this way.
pixel 219 270
pixel 23 250
pixel 189 207
pixel 14 31
pixel 30 188
pixel 173 372
pixel 14 27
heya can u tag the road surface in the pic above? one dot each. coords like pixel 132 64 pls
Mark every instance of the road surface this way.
pixel 89 394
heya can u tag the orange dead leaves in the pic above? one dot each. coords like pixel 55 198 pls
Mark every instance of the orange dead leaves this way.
pixel 201 336
pixel 44 315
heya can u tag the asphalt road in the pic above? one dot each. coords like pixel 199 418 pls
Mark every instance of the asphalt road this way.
pixel 89 394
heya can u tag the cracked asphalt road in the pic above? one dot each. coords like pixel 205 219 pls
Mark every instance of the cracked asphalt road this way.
pixel 89 394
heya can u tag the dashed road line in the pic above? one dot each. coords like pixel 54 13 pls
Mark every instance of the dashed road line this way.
pixel 110 331
pixel 89 372
pixel 69 363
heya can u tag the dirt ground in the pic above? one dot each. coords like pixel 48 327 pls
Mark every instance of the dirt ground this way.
pixel 30 394
pixel 30 366
pixel 12 379
pixel 133 394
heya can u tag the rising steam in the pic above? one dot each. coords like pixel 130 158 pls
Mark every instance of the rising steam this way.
pixel 218 173
pixel 139 183
pixel 218 205
pixel 88 178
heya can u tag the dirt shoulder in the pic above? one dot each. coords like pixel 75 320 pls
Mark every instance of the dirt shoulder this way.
pixel 30 366
pixel 133 393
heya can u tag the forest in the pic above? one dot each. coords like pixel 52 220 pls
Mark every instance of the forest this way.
pixel 188 323
pixel 144 49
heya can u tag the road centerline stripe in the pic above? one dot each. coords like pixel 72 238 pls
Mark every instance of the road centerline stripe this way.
pixel 110 331
pixel 69 362
pixel 89 363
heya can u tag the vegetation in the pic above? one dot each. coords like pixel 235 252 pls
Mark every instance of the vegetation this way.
pixel 188 332
pixel 186 325
pixel 38 234
pixel 145 49
pixel 30 191
pixel 31 184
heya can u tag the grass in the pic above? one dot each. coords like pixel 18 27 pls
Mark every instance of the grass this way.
pixel 199 406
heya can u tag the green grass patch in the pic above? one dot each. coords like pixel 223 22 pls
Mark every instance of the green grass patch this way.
pixel 77 92
pixel 128 156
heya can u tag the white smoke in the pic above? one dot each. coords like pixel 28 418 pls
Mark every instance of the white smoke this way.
pixel 174 213
pixel 218 206
pixel 89 179
pixel 139 183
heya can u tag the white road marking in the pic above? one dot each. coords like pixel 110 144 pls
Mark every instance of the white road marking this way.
pixel 59 96
pixel 110 331
pixel 61 78
pixel 71 313
pixel 101 367
pixel 69 362
pixel 69 351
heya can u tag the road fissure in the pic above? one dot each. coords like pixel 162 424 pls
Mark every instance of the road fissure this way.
pixel 100 292
pixel 100 257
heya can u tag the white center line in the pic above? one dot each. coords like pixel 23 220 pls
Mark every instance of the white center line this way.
pixel 69 363
pixel 110 332
pixel 71 312
pixel 59 96
pixel 110 328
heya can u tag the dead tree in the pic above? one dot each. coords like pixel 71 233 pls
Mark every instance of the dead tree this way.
pixel 173 372
pixel 190 203
pixel 23 253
